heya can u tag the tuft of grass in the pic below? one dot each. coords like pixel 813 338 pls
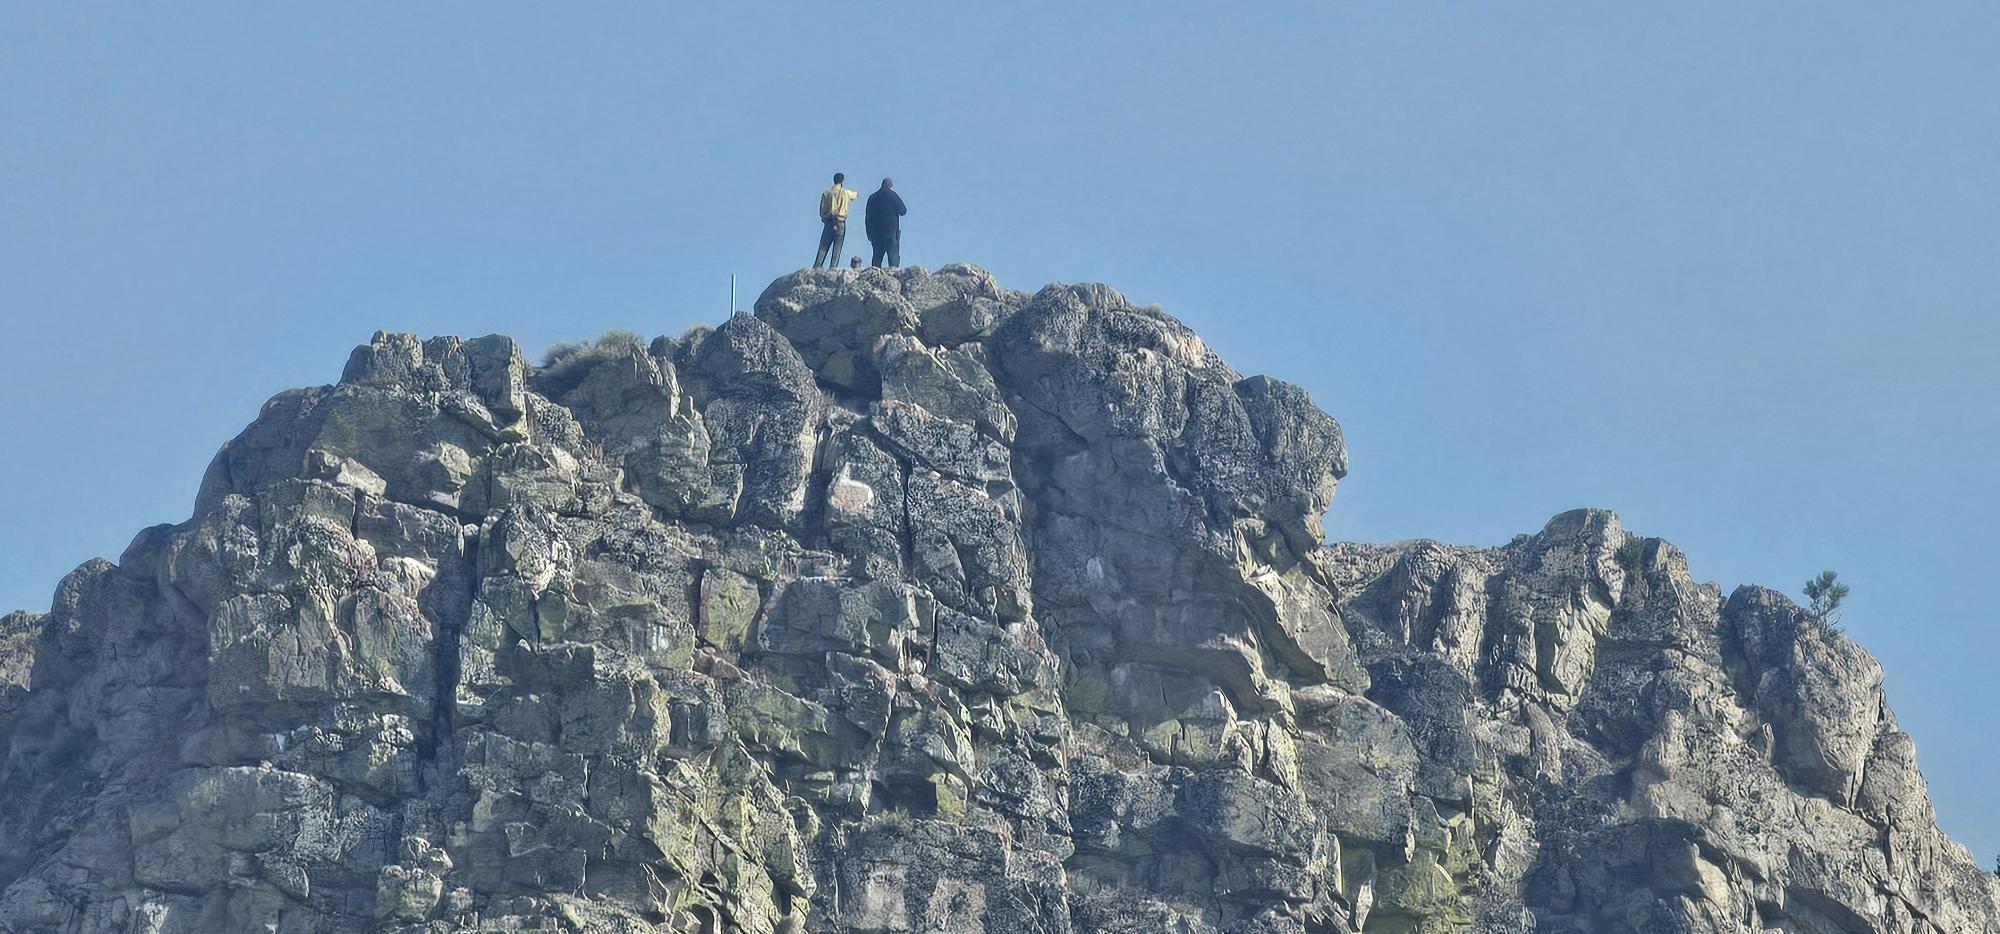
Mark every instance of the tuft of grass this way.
pixel 611 342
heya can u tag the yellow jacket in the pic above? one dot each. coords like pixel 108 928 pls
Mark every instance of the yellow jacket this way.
pixel 833 202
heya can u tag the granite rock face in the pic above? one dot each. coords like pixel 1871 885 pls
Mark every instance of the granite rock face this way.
pixel 912 603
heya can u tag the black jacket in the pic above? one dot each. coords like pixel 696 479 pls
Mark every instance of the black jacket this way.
pixel 885 214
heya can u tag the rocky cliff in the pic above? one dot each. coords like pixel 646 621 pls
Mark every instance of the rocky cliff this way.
pixel 911 603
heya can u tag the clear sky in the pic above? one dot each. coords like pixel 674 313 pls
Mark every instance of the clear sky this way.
pixel 1728 268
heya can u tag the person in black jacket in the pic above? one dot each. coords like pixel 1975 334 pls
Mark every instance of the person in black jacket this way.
pixel 885 224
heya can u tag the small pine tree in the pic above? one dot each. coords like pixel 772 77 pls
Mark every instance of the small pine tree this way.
pixel 1824 594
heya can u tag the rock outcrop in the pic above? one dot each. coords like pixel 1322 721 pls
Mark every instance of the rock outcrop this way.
pixel 911 603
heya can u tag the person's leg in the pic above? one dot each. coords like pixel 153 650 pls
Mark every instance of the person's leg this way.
pixel 876 247
pixel 825 240
pixel 839 243
pixel 895 249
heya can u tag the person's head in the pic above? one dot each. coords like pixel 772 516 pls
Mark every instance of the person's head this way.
pixel 838 178
pixel 888 183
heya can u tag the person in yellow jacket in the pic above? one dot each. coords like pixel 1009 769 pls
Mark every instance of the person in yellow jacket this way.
pixel 833 204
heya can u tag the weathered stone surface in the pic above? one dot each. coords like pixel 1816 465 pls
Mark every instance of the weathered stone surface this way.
pixel 911 603
pixel 19 631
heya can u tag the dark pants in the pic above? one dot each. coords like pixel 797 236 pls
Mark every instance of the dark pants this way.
pixel 890 245
pixel 831 235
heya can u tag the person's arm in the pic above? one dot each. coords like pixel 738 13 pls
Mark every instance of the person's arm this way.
pixel 900 209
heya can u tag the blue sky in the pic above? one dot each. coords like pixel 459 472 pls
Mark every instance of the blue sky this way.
pixel 1727 268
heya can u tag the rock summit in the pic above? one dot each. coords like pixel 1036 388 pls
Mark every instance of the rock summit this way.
pixel 913 603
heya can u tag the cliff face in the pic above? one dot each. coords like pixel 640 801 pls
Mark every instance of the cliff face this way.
pixel 914 604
